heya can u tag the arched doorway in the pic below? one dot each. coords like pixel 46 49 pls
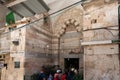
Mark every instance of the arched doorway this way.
pixel 70 49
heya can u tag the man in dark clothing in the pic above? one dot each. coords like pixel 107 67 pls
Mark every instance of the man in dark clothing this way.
pixel 42 75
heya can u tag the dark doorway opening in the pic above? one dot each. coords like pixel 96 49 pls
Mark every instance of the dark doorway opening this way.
pixel 70 63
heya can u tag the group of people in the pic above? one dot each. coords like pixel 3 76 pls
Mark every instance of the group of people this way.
pixel 58 75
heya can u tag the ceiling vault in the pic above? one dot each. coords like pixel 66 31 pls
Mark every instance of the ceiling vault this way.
pixel 15 12
pixel 44 4
pixel 28 8
pixel 25 8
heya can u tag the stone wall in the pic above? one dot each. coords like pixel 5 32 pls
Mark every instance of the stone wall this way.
pixel 4 43
pixel 101 62
pixel 37 47
pixel 30 46
pixel 13 53
pixel 10 72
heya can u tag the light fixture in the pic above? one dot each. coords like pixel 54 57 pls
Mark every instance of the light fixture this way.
pixel 47 46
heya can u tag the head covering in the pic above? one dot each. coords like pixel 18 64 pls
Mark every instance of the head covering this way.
pixel 58 71
pixel 72 69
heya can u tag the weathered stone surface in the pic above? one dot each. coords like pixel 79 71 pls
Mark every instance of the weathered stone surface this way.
pixel 101 61
pixel 10 72
pixel 101 49
pixel 102 67
pixel 37 53
pixel 106 16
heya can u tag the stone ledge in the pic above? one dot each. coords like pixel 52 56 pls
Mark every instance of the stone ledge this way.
pixel 96 42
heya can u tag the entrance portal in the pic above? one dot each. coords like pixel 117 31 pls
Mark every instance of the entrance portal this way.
pixel 71 63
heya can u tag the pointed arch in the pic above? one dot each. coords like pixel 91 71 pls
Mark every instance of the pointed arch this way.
pixel 66 24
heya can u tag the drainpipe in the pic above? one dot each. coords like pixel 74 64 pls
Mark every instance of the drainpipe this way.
pixel 119 28
pixel 59 51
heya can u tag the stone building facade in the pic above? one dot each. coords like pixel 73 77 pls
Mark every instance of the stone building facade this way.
pixel 26 50
pixel 98 24
pixel 67 35
pixel 83 33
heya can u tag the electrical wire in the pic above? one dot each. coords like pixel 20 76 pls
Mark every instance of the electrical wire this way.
pixel 101 28
pixel 105 28
pixel 48 15
pixel 66 8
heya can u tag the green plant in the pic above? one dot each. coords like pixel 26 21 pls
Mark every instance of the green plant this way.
pixel 35 76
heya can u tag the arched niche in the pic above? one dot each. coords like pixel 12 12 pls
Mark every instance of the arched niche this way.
pixel 70 36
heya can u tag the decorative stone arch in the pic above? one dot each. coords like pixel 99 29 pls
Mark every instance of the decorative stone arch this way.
pixel 63 44
pixel 77 27
pixel 72 16
pixel 66 24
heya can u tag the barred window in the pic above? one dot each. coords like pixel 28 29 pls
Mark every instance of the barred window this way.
pixel 17 64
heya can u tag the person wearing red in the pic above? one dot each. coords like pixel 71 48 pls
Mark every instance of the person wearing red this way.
pixel 64 76
pixel 56 75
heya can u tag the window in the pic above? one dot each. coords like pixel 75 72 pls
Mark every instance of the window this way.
pixel 17 64
pixel 93 21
